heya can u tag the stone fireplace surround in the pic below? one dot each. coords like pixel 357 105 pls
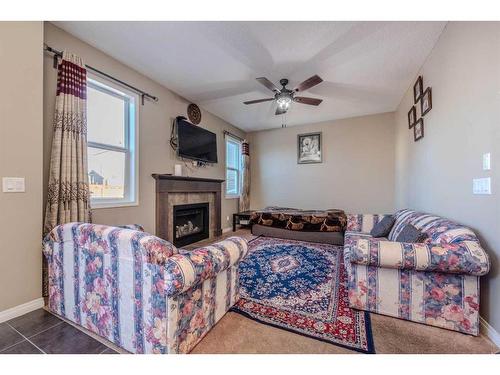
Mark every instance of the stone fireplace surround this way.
pixel 176 190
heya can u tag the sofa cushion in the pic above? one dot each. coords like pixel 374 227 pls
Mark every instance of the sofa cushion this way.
pixel 363 222
pixel 465 258
pixel 439 230
pixel 410 234
pixel 383 227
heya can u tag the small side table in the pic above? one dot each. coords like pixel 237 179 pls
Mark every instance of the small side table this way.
pixel 241 218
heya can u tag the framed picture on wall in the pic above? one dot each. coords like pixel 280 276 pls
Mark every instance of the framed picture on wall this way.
pixel 309 148
pixel 412 117
pixel 426 101
pixel 418 129
pixel 418 89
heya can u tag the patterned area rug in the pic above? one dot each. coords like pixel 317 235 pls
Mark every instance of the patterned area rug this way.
pixel 301 287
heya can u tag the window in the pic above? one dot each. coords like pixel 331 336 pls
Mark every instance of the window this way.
pixel 112 145
pixel 233 167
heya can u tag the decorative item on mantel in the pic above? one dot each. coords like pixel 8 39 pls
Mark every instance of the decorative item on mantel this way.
pixel 177 170
pixel 194 113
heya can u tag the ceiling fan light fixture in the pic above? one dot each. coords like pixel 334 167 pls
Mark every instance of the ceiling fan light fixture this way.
pixel 284 97
pixel 284 101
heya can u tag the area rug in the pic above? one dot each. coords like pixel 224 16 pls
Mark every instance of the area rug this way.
pixel 301 287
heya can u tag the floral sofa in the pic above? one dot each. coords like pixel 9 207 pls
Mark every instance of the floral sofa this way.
pixel 435 282
pixel 137 290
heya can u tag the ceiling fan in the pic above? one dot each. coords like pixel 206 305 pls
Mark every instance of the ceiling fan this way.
pixel 284 97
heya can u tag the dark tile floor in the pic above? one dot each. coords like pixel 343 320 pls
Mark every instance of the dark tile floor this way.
pixel 41 332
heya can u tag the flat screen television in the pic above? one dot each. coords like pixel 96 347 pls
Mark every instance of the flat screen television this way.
pixel 195 142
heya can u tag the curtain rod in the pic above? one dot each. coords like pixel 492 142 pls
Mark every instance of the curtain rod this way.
pixel 142 93
pixel 233 135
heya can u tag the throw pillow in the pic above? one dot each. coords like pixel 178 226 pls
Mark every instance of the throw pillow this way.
pixel 383 227
pixel 410 234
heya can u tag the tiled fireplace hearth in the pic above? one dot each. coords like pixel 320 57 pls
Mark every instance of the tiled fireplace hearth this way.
pixel 184 203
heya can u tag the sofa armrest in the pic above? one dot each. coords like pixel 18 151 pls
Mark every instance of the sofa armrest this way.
pixel 100 239
pixel 363 223
pixel 466 257
pixel 183 271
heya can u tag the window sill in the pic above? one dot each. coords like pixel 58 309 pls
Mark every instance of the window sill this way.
pixel 232 196
pixel 101 205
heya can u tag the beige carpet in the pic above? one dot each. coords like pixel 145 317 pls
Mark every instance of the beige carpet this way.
pixel 235 333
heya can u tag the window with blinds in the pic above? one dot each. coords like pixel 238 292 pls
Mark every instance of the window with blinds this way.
pixel 233 167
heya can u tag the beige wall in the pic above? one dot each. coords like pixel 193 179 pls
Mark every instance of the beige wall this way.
pixel 357 173
pixel 155 154
pixel 435 174
pixel 21 156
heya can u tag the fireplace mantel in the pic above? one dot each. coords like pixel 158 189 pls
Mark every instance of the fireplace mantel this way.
pixel 168 184
pixel 184 178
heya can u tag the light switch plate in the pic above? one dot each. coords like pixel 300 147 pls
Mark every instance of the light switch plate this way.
pixel 481 186
pixel 13 185
pixel 486 161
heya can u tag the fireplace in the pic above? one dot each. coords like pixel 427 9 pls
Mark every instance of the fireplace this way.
pixel 181 190
pixel 190 223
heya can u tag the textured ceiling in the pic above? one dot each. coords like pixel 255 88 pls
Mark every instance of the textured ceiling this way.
pixel 366 66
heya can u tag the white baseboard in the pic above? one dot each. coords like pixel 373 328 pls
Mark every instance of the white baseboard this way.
pixel 490 332
pixel 228 229
pixel 25 308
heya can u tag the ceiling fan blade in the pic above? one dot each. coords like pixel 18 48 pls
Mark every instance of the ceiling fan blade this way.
pixel 305 100
pixel 264 81
pixel 258 101
pixel 280 110
pixel 308 83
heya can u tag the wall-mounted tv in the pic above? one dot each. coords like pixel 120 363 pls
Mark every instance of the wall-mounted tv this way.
pixel 195 142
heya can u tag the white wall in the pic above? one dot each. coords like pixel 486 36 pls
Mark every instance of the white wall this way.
pixel 357 173
pixel 21 113
pixel 435 174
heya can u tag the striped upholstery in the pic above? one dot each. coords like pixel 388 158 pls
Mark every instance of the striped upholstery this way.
pixel 193 267
pixel 436 282
pixel 136 289
pixel 363 223
pixel 439 230
pixel 466 257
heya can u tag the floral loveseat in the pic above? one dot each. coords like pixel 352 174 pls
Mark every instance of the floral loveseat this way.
pixel 138 290
pixel 435 282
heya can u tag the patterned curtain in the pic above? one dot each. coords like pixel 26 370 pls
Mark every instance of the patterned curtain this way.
pixel 245 177
pixel 68 189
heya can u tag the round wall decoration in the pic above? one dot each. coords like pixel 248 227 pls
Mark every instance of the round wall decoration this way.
pixel 194 113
